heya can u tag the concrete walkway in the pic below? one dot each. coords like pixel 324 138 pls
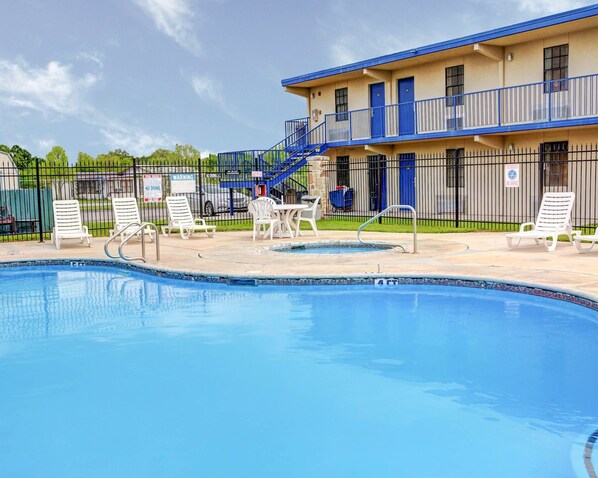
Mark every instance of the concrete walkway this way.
pixel 468 255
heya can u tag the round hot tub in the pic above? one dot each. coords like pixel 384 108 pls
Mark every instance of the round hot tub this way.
pixel 336 247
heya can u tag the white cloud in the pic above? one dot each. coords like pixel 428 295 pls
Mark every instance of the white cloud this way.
pixel 45 144
pixel 208 89
pixel 134 140
pixel 366 38
pixel 174 18
pixel 92 56
pixel 54 89
pixel 546 7
pixel 211 91
pixel 51 89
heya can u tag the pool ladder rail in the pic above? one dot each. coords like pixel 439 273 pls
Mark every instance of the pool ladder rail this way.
pixel 383 213
pixel 136 227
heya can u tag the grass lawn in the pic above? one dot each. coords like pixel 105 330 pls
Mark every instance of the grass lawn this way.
pixel 100 229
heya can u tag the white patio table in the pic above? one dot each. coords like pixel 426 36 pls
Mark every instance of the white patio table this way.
pixel 288 218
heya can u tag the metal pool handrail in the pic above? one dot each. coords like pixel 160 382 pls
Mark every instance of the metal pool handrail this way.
pixel 382 213
pixel 138 227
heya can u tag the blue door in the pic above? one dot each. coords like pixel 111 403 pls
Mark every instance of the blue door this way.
pixel 407 179
pixel 406 106
pixel 377 113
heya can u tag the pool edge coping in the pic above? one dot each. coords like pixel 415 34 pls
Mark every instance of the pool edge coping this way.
pixel 585 300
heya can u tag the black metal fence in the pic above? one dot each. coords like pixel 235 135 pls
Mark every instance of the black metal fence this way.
pixel 26 196
pixel 490 190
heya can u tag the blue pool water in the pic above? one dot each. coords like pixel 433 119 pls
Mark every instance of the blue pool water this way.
pixel 332 248
pixel 107 373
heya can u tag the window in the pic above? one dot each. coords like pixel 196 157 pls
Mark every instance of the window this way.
pixel 454 167
pixel 341 104
pixel 88 186
pixel 455 80
pixel 556 67
pixel 554 159
pixel 342 171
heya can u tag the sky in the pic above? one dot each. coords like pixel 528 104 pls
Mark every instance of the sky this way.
pixel 97 75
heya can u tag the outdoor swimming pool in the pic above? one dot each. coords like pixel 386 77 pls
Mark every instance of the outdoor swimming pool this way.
pixel 108 372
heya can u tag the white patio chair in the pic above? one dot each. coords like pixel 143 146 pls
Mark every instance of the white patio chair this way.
pixel 67 223
pixel 554 218
pixel 181 218
pixel 309 215
pixel 126 212
pixel 578 237
pixel 267 199
pixel 265 218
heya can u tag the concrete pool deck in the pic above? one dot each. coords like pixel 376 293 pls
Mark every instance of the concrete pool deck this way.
pixel 481 255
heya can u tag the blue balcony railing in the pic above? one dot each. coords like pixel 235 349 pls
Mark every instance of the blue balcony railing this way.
pixel 558 100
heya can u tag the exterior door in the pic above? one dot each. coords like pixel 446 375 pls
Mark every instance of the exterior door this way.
pixel 406 102
pixel 407 179
pixel 377 112
pixel 377 182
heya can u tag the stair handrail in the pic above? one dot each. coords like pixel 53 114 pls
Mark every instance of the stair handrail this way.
pixel 303 139
pixel 382 213
pixel 137 227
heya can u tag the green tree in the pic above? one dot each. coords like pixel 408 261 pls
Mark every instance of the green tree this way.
pixel 84 159
pixel 22 158
pixel 186 153
pixel 57 157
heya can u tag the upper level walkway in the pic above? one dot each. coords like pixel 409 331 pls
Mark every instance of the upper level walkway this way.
pixel 554 104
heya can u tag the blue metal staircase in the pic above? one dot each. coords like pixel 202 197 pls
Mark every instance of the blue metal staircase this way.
pixel 277 165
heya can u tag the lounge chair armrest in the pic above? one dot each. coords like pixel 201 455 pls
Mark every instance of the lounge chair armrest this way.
pixel 523 226
pixel 85 229
pixel 200 221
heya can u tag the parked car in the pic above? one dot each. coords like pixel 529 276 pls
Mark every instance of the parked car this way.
pixel 216 199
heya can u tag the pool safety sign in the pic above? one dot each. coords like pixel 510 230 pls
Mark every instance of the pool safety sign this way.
pixel 152 188
pixel 182 183
pixel 511 175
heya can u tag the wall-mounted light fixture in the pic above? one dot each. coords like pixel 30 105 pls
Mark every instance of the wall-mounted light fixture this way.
pixel 313 95
pixel 509 57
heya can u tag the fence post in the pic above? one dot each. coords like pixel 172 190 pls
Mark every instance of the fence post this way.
pixel 379 192
pixel 457 189
pixel 39 201
pixel 135 185
pixel 200 186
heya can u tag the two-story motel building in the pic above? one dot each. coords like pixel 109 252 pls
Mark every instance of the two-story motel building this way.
pixel 529 85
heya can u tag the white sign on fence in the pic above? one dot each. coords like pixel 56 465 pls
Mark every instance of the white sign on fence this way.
pixel 182 183
pixel 511 175
pixel 152 188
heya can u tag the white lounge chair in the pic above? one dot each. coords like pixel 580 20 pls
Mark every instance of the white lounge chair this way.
pixel 309 215
pixel 265 219
pixel 578 237
pixel 181 218
pixel 67 223
pixel 126 212
pixel 554 218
